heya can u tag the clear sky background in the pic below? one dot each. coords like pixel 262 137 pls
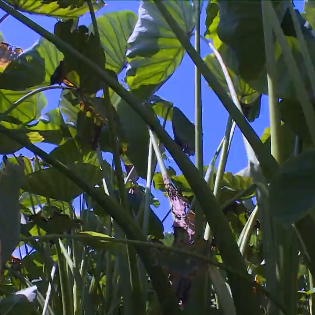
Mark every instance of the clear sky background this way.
pixel 179 89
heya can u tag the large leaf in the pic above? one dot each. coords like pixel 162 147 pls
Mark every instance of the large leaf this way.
pixel 56 8
pixel 10 216
pixel 137 135
pixel 30 109
pixel 115 28
pixel 248 97
pixel 69 106
pixel 52 128
pixel 33 68
pixel 154 51
pixel 241 44
pixel 309 9
pixel 292 190
pixel 73 70
pixel 52 183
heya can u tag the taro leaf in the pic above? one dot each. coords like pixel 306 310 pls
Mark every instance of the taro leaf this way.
pixel 289 140
pixel 11 177
pixel 7 145
pixel 162 108
pixel 25 112
pixel 292 115
pixel 33 68
pixel 248 97
pixel 184 132
pixel 245 19
pixel 90 222
pixel 137 135
pixel 86 43
pixel 20 302
pixel 95 242
pixel 240 27
pixel 8 54
pixel 309 9
pixel 154 51
pixel 212 21
pixel 51 183
pixel 115 28
pixel 52 128
pixel 291 194
pixel 69 106
pixel 55 8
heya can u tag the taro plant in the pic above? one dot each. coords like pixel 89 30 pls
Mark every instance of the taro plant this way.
pixel 88 236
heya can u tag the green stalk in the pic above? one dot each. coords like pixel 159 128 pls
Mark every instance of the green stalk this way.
pixel 283 240
pixel 274 110
pixel 221 230
pixel 293 69
pixel 66 299
pixel 110 206
pixel 268 163
pixel 130 251
pixel 104 239
pixel 305 53
pixel 28 95
pixel 221 168
pixel 198 120
pixel 48 293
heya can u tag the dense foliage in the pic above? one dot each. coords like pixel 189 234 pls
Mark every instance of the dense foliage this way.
pixel 87 230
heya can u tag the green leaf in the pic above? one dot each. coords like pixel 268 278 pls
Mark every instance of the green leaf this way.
pixel 19 302
pixel 52 128
pixel 212 21
pixel 43 182
pixel 184 132
pixel 137 135
pixel 309 9
pixel 25 112
pixel 69 106
pixel 247 96
pixel 162 107
pixel 10 182
pixel 291 194
pixel 85 42
pixel 292 115
pixel 154 51
pixel 95 242
pixel 33 68
pixel 115 28
pixel 55 8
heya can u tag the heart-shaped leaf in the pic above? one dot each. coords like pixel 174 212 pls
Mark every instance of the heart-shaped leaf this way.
pixel 291 194
pixel 154 51
pixel 56 8
pixel 115 28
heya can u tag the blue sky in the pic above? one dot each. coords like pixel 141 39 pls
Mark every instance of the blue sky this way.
pixel 179 90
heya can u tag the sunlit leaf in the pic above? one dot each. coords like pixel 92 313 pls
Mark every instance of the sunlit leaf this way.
pixel 56 8
pixel 115 28
pixel 33 68
pixel 154 51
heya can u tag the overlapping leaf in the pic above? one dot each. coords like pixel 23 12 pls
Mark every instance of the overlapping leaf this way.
pixel 154 51
pixel 115 28
pixel 55 8
pixel 31 69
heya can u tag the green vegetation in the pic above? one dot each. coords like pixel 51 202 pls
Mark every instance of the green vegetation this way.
pixel 230 253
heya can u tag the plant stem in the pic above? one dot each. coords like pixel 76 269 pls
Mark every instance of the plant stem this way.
pixel 268 163
pixel 293 69
pixel 130 251
pixel 198 121
pixel 274 111
pixel 4 17
pixel 26 96
pixel 105 239
pixel 221 168
pixel 221 230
